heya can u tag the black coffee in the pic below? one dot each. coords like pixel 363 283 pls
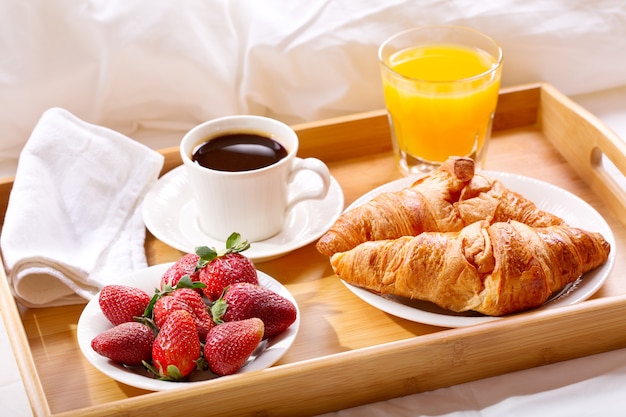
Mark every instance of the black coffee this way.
pixel 238 152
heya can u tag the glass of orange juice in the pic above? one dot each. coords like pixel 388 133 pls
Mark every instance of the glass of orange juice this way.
pixel 441 88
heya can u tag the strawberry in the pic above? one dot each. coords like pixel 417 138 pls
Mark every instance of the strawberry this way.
pixel 225 267
pixel 128 343
pixel 176 349
pixel 229 345
pixel 184 299
pixel 121 303
pixel 204 319
pixel 193 300
pixel 186 265
pixel 166 305
pixel 243 300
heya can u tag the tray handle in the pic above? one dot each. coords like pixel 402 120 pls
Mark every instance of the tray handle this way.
pixel 589 146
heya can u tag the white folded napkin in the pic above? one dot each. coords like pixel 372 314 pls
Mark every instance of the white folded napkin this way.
pixel 74 221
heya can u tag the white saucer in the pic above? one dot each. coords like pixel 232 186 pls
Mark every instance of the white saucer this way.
pixel 169 213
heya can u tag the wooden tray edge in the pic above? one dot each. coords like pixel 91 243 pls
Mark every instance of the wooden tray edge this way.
pixel 21 349
pixel 584 140
pixel 400 368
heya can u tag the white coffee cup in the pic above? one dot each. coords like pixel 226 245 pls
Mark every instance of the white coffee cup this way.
pixel 253 203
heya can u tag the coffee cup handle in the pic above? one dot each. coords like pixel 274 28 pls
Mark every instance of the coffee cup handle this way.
pixel 309 193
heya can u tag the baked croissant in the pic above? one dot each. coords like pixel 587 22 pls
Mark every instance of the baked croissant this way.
pixel 486 198
pixel 424 206
pixel 495 269
pixel 446 200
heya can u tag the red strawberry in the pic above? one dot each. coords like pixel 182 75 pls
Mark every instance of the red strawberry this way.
pixel 244 300
pixel 176 348
pixel 204 319
pixel 226 267
pixel 187 265
pixel 193 300
pixel 229 345
pixel 184 299
pixel 121 303
pixel 128 343
pixel 166 305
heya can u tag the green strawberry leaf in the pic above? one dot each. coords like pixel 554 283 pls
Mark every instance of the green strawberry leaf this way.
pixel 218 309
pixel 201 363
pixel 150 307
pixel 173 374
pixel 150 368
pixel 186 282
pixel 148 321
pixel 206 255
pixel 234 244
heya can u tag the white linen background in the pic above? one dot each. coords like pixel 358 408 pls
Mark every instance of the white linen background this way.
pixel 153 69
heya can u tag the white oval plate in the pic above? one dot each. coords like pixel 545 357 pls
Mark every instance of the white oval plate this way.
pixel 92 322
pixel 575 211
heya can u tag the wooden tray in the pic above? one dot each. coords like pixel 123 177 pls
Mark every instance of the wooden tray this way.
pixel 348 353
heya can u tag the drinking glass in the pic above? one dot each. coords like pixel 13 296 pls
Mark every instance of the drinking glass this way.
pixel 441 87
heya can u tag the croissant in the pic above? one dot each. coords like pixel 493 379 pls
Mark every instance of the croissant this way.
pixel 448 199
pixel 486 198
pixel 427 205
pixel 494 269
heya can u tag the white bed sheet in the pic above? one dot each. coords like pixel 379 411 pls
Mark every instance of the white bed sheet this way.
pixel 153 69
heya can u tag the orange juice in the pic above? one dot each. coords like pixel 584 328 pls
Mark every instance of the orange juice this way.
pixel 440 99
